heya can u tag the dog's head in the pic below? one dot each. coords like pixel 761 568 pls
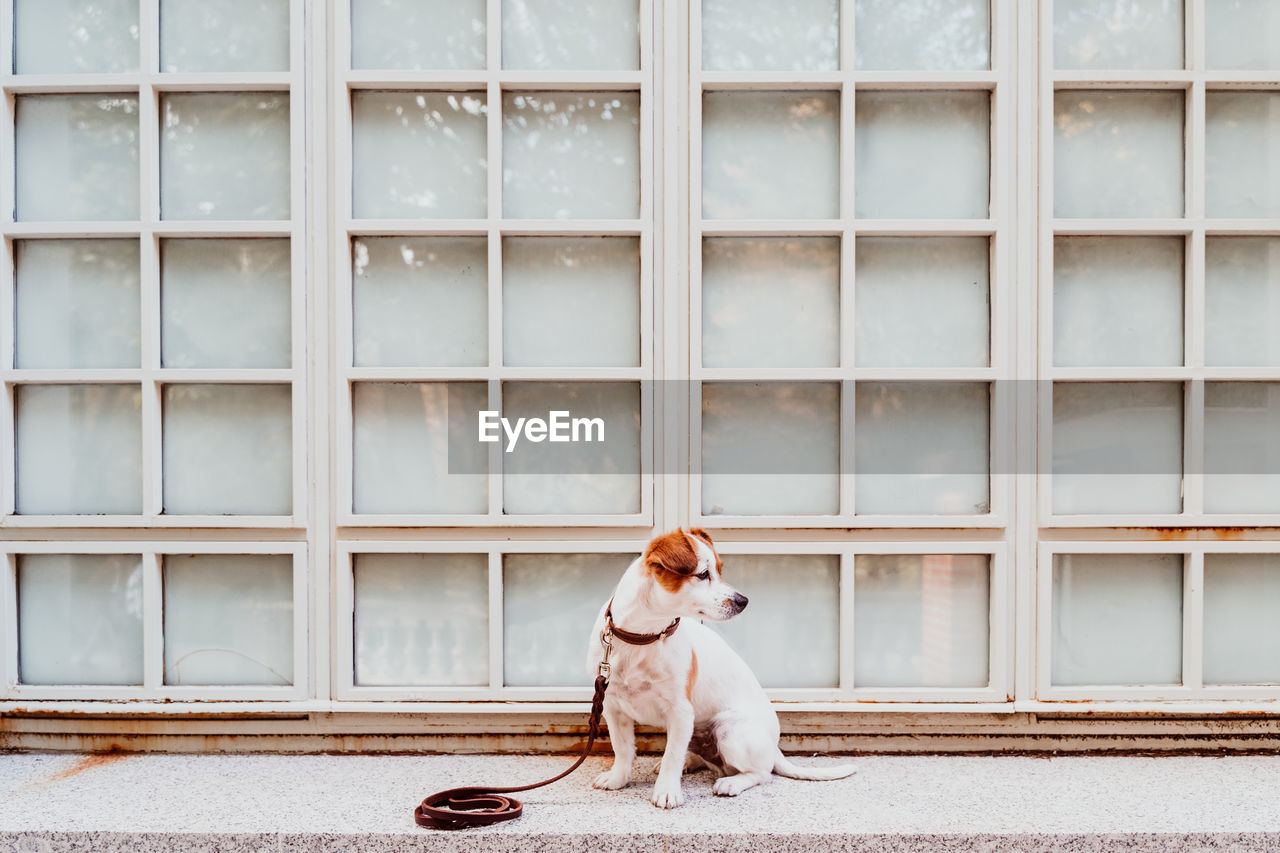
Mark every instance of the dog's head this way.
pixel 685 570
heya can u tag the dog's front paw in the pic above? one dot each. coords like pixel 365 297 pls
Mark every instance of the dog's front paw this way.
pixel 610 781
pixel 667 797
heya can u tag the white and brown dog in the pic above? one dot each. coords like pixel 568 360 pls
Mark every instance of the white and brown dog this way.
pixel 688 680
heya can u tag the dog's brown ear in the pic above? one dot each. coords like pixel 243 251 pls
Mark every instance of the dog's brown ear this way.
pixel 706 537
pixel 672 552
pixel 703 535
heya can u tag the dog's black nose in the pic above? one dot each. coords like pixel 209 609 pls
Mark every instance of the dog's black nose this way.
pixel 739 601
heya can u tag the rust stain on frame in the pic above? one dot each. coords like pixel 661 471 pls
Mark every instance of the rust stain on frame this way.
pixel 1192 534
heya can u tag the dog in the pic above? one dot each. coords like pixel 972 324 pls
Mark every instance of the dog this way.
pixel 685 678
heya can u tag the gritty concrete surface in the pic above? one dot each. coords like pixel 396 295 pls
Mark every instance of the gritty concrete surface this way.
pixel 51 803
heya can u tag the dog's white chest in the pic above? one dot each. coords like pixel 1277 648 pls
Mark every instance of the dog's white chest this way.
pixel 643 690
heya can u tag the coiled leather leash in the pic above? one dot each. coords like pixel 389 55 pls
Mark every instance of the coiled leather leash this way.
pixel 460 808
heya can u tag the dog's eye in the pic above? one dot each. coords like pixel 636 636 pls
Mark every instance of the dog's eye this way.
pixel 702 576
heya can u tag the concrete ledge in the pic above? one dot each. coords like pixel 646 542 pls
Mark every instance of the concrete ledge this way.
pixel 353 804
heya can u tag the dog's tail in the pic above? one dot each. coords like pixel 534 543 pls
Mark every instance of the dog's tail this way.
pixel 783 767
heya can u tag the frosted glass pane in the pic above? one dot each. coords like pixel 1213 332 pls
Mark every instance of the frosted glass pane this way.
pixel 922 154
pixel 921 620
pixel 770 448
pixel 77 157
pixel 1242 34
pixel 767 35
pixel 568 34
pixel 1242 301
pixel 421 619
pixel 1117 301
pixel 571 155
pixel 771 302
pixel 800 592
pixel 574 477
pixel 922 302
pixel 79 449
pixel 922 448
pixel 229 35
pixel 1118 33
pixel 1242 154
pixel 770 155
pixel 1117 154
pixel 420 301
pixel 414 34
pixel 75 36
pixel 225 303
pixel 228 619
pixel 77 303
pixel 225 156
pixel 1242 447
pixel 412 443
pixel 1241 631
pixel 1117 447
pixel 1117 619
pixel 599 277
pixel 79 619
pixel 550 602
pixel 228 449
pixel 418 155
pixel 944 35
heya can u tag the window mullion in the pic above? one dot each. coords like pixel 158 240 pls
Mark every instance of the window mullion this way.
pixel 152 624
pixel 1193 622
pixel 315 349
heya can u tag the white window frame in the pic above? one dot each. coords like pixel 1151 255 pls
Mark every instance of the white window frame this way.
pixel 495 82
pixel 1041 532
pixel 998 228
pixel 344 664
pixel 1020 533
pixel 153 687
pixel 846 695
pixel 1000 651
pixel 1193 228
pixel 151 85
pixel 1192 687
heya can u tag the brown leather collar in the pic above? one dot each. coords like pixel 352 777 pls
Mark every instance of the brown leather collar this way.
pixel 637 639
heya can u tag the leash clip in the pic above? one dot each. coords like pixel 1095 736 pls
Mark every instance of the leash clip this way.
pixel 606 640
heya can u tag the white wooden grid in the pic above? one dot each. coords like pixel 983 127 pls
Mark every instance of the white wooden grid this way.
pixel 1022 83
pixel 344 607
pixel 153 686
pixel 494 81
pixel 150 86
pixel 999 609
pixel 1194 226
pixel 1192 686
pixel 998 227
